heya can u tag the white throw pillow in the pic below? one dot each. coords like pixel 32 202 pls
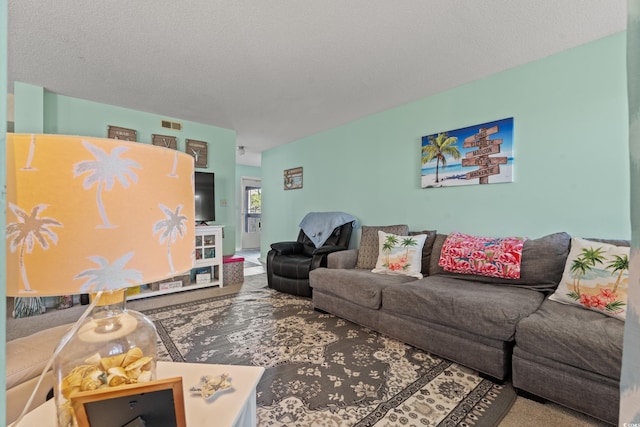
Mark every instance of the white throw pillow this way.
pixel 596 277
pixel 400 254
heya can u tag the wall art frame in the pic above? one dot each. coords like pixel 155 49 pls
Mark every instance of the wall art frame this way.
pixel 293 178
pixel 117 132
pixel 199 151
pixel 478 154
pixel 165 141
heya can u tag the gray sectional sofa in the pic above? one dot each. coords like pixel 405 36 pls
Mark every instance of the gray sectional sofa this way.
pixel 503 328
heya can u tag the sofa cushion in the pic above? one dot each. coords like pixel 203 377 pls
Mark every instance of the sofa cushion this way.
pixel 541 269
pixel 595 277
pixel 400 254
pixel 571 335
pixel 368 249
pixel 361 287
pixel 427 249
pixel 484 309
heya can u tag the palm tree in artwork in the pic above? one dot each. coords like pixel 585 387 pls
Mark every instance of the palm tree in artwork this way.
pixel 388 244
pixel 579 268
pixel 170 228
pixel 109 276
pixel 583 263
pixel 104 171
pixel 439 147
pixel 619 264
pixel 29 230
pixel 593 256
pixel 408 242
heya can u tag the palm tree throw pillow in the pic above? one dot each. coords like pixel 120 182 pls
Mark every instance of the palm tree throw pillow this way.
pixel 596 277
pixel 400 254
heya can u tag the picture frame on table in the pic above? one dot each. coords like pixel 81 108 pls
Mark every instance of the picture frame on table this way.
pixel 159 402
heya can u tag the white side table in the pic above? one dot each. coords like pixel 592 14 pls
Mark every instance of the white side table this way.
pixel 235 407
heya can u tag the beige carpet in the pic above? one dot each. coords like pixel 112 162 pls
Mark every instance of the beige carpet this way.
pixel 525 412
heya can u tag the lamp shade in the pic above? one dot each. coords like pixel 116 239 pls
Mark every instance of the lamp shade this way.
pixel 88 214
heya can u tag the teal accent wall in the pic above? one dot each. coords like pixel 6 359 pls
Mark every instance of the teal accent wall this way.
pixel 630 377
pixel 571 168
pixel 247 171
pixel 3 208
pixel 72 116
pixel 29 106
pixel 252 171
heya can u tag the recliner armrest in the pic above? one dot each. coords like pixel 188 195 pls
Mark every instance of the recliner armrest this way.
pixel 327 249
pixel 287 248
pixel 343 259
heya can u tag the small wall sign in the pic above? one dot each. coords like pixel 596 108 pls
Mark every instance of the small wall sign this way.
pixel 165 141
pixel 197 149
pixel 116 132
pixel 292 178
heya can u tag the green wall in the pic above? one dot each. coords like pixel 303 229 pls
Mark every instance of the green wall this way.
pixel 630 376
pixel 29 106
pixel 72 116
pixel 3 206
pixel 571 169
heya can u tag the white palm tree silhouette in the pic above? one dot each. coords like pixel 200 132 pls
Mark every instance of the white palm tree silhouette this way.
pixel 27 231
pixel 109 276
pixel 32 151
pixel 170 228
pixel 173 173
pixel 104 171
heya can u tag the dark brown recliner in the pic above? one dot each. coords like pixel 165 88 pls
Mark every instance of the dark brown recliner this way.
pixel 289 263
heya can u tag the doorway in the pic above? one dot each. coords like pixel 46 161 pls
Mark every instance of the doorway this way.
pixel 251 218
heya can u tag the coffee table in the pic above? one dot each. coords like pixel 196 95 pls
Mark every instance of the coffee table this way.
pixel 235 407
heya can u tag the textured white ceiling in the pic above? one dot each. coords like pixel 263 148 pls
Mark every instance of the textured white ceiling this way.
pixel 279 70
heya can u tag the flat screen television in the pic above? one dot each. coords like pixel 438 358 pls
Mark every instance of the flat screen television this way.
pixel 205 196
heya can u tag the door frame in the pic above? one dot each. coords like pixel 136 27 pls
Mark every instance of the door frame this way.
pixel 246 181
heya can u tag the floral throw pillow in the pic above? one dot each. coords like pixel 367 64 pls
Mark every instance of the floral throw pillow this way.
pixel 484 256
pixel 596 277
pixel 400 254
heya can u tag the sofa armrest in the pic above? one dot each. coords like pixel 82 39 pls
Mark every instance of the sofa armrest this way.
pixel 343 259
pixel 18 396
pixel 26 359
pixel 287 248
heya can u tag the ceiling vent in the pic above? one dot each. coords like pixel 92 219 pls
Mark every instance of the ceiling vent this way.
pixel 171 125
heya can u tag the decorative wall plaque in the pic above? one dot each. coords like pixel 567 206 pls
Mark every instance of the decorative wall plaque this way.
pixel 165 141
pixel 197 149
pixel 479 154
pixel 116 132
pixel 292 178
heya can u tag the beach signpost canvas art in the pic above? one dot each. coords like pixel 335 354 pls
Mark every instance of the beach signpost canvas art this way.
pixel 480 154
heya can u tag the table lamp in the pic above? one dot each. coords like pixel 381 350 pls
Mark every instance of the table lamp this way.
pixel 95 215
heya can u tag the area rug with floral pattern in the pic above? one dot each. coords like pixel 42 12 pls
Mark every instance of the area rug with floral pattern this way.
pixel 321 370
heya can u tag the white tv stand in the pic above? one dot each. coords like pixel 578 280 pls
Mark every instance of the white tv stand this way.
pixel 208 253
